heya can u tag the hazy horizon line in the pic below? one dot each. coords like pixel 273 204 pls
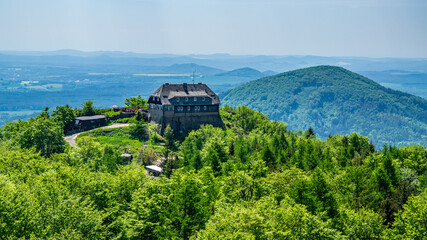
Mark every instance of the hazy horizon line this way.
pixel 202 54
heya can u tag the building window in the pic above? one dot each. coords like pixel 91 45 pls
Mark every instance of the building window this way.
pixel 177 99
pixel 204 108
pixel 188 108
pixel 195 99
pixel 203 99
pixel 197 108
pixel 186 99
pixel 179 109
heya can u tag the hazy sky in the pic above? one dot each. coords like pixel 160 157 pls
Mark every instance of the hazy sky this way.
pixel 372 28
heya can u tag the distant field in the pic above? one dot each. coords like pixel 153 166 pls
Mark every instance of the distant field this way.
pixel 7 116
pixel 20 112
pixel 418 90
pixel 162 74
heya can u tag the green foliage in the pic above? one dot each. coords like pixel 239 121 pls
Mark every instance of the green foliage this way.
pixel 42 133
pixel 130 120
pixel 126 139
pixel 88 109
pixel 136 102
pixel 104 111
pixel 64 115
pixel 111 113
pixel 153 133
pixel 138 116
pixel 361 224
pixel 169 140
pixel 253 179
pixel 265 219
pixel 411 223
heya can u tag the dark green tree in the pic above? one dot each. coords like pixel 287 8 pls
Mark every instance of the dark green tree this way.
pixel 323 193
pixel 213 160
pixel 391 170
pixel 88 109
pixel 138 116
pixel 64 115
pixel 197 161
pixel 268 156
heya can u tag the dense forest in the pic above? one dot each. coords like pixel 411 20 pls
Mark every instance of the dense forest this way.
pixel 252 179
pixel 333 100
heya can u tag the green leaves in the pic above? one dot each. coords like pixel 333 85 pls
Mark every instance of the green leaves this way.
pixel 265 219
pixel 43 134
pixel 88 109
pixel 411 222
pixel 64 115
pixel 252 180
pixel 136 102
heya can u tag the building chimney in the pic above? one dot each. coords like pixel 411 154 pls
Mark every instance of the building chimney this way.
pixel 185 87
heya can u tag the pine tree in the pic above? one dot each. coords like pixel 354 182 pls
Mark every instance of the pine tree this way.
pixel 88 109
pixel 197 161
pixel 268 156
pixel 390 169
pixel 213 160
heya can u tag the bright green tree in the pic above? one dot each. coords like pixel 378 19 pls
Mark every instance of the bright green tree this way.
pixel 136 102
pixel 411 221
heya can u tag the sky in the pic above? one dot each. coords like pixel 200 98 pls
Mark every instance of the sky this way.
pixel 366 28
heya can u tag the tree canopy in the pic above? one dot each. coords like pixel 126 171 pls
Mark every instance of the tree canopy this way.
pixel 252 179
pixel 136 102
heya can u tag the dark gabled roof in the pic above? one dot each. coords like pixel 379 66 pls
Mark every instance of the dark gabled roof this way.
pixel 169 91
pixel 85 118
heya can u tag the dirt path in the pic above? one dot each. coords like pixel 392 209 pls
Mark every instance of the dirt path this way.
pixel 71 139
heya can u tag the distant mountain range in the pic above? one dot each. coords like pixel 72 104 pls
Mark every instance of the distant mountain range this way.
pixel 246 73
pixel 224 61
pixel 333 100
pixel 379 69
pixel 33 80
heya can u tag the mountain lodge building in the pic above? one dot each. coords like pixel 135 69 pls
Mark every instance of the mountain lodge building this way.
pixel 184 106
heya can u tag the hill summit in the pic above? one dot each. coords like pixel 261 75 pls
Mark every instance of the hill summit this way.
pixel 333 100
pixel 243 72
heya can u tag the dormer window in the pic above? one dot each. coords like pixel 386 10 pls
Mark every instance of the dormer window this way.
pixel 195 99
pixel 186 99
pixel 203 99
pixel 177 99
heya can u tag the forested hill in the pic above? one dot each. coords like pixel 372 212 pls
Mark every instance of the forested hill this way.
pixel 244 72
pixel 333 100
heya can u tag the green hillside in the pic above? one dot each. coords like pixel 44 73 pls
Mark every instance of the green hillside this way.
pixel 333 100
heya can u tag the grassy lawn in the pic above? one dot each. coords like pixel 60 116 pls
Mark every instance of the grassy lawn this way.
pixel 121 142
pixel 121 138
